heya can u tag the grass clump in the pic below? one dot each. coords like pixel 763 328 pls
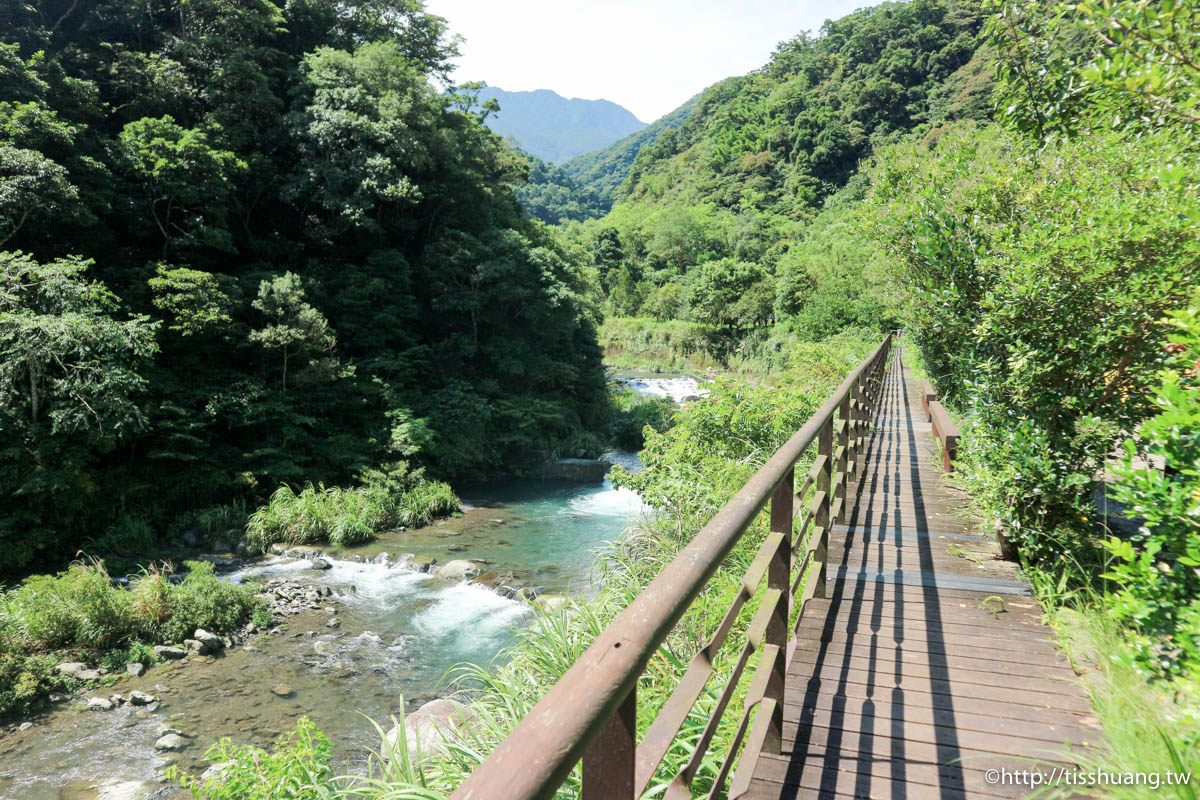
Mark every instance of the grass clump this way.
pixel 299 767
pixel 386 499
pixel 81 614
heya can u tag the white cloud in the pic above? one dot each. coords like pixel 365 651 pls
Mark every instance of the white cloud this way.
pixel 645 55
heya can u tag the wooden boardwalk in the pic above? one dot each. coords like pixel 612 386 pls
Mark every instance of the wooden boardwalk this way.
pixel 926 664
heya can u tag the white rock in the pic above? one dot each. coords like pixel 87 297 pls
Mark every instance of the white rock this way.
pixel 125 790
pixel 211 641
pixel 170 653
pixel 99 704
pixel 136 669
pixel 427 729
pixel 458 570
pixel 78 670
pixel 214 772
pixel 172 741
pixel 138 698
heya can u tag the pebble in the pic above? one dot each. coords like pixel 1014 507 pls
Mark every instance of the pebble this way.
pixel 282 690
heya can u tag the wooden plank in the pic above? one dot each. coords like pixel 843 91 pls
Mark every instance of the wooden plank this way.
pixel 1044 714
pixel 879 713
pixel 883 657
pixel 992 650
pixel 831 775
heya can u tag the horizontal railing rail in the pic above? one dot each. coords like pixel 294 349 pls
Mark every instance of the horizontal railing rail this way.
pixel 590 714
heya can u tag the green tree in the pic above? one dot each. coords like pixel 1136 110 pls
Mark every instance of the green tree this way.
pixel 71 387
pixel 295 328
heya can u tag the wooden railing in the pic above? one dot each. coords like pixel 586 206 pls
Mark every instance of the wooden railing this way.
pixel 591 713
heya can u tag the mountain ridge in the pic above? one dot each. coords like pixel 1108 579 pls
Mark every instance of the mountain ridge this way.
pixel 556 128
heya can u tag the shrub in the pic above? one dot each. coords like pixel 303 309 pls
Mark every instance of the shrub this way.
pixel 202 600
pixel 1034 285
pixel 633 413
pixel 82 612
pixel 385 499
pixel 296 768
pixel 1159 570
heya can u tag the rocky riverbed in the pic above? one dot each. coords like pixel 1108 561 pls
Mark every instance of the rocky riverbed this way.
pixel 366 630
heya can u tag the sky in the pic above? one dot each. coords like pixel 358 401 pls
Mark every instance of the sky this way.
pixel 646 55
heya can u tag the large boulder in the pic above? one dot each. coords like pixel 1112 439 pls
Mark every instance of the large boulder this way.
pixel 583 470
pixel 209 642
pixel 170 743
pixel 99 704
pixel 78 670
pixel 430 727
pixel 169 653
pixel 459 570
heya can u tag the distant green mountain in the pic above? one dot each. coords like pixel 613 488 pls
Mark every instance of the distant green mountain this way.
pixel 603 171
pixel 555 128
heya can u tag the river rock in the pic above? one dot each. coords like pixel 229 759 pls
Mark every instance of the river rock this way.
pixel 488 579
pixel 551 602
pixel 25 726
pixel 458 570
pixel 99 704
pixel 214 772
pixel 169 653
pixel 422 563
pixel 136 668
pixel 139 698
pixel 78 670
pixel 322 648
pixel 170 743
pixel 427 729
pixel 282 690
pixel 114 789
pixel 583 470
pixel 319 563
pixel 212 643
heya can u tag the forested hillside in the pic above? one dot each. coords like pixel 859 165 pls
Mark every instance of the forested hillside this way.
pixel 250 243
pixel 604 171
pixel 551 195
pixel 556 128
pixel 729 219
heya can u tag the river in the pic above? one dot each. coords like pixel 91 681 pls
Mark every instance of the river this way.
pixel 397 637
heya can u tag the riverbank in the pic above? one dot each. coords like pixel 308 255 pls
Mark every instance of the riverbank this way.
pixel 376 623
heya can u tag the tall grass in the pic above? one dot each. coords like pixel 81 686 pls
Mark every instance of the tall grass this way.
pixel 345 517
pixel 1150 725
pixel 82 614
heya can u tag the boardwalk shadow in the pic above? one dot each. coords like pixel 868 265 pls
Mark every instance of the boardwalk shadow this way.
pixel 850 733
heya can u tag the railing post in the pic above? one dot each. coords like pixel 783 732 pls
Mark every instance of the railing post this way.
pixel 779 576
pixel 840 468
pixel 608 762
pixel 824 486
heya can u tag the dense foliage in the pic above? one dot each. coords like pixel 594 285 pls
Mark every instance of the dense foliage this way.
pixel 1158 572
pixel 1042 268
pixel 251 244
pixel 1036 289
pixel 551 195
